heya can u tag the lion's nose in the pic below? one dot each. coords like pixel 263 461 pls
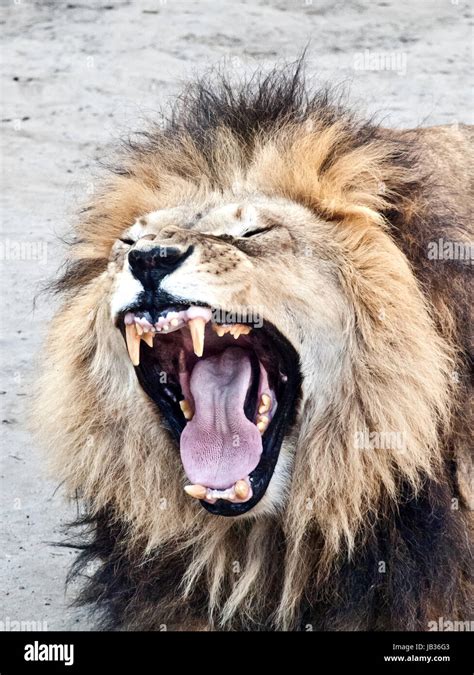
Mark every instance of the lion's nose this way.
pixel 159 259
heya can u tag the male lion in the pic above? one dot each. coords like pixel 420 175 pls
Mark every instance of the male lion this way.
pixel 257 381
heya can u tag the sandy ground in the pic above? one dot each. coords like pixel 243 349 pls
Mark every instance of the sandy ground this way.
pixel 77 75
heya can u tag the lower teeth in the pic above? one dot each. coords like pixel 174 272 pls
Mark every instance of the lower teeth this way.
pixel 241 491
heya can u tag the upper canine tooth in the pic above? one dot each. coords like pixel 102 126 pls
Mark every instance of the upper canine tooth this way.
pixel 148 337
pixel 139 329
pixel 241 489
pixel 197 327
pixel 197 491
pixel 133 343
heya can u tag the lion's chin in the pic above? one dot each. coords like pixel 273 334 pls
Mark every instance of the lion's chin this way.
pixel 227 391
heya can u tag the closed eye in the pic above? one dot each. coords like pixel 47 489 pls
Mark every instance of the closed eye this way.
pixel 129 242
pixel 252 233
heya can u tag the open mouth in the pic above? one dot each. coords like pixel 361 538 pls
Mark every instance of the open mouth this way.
pixel 227 391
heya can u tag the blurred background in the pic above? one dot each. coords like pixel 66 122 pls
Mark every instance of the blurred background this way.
pixel 78 75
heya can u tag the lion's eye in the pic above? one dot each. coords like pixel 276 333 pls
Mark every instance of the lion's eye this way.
pixel 129 242
pixel 252 233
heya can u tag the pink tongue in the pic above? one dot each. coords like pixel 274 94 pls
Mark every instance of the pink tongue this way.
pixel 220 445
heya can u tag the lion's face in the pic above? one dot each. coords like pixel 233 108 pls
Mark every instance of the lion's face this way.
pixel 234 320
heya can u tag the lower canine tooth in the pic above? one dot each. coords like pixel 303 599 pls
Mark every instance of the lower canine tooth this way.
pixel 133 343
pixel 196 491
pixel 187 410
pixel 241 489
pixel 197 327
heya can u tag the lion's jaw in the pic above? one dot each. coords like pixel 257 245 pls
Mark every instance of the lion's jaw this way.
pixel 273 344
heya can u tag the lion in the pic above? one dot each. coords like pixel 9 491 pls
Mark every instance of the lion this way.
pixel 257 380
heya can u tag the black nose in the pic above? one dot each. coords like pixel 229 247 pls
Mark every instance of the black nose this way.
pixel 156 261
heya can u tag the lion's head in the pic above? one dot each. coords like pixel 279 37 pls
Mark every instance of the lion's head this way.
pixel 238 320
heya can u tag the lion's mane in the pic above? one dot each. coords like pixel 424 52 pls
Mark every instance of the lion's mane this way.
pixel 369 539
